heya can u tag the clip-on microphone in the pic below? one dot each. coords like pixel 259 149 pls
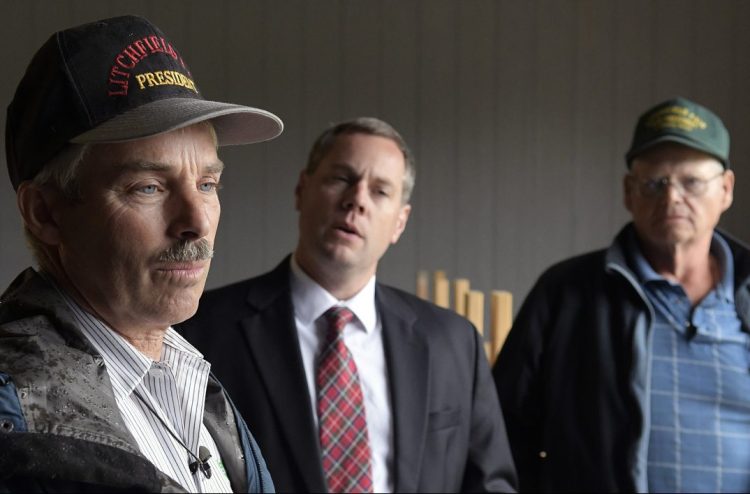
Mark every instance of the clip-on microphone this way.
pixel 201 461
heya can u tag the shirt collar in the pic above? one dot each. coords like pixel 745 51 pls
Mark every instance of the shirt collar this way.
pixel 641 267
pixel 310 300
pixel 719 248
pixel 723 253
pixel 126 365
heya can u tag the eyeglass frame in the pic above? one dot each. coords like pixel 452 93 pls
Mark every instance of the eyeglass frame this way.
pixel 652 188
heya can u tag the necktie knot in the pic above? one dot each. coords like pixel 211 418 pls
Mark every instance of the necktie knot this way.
pixel 338 317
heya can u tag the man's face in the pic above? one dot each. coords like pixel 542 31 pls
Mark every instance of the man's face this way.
pixel 688 209
pixel 350 207
pixel 139 199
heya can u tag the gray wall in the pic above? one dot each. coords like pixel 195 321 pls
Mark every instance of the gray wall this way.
pixel 519 113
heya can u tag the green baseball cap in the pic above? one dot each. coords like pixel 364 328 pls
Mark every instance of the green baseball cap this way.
pixel 684 122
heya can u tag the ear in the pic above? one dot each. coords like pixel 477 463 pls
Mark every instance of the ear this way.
pixel 403 217
pixel 728 186
pixel 39 206
pixel 301 182
pixel 627 191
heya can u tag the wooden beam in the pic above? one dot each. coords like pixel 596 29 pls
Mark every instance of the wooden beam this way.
pixel 475 309
pixel 442 292
pixel 460 289
pixel 501 319
pixel 423 285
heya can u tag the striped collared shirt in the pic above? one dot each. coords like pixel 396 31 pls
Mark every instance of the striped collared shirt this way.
pixel 700 385
pixel 156 398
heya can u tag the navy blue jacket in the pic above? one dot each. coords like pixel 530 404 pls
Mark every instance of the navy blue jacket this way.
pixel 573 373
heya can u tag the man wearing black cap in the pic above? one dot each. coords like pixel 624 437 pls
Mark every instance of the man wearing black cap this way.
pixel 627 368
pixel 112 152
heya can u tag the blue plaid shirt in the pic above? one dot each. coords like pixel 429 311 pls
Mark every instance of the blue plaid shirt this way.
pixel 700 385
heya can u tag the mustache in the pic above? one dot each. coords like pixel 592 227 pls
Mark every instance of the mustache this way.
pixel 187 251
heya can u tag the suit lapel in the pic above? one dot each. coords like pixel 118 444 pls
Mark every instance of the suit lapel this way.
pixel 407 357
pixel 272 337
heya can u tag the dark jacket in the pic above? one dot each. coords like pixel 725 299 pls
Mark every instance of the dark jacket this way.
pixel 573 374
pixel 60 428
pixel 448 429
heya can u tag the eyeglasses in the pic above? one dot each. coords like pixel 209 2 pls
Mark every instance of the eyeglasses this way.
pixel 686 186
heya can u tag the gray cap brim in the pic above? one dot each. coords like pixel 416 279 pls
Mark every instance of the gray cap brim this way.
pixel 234 124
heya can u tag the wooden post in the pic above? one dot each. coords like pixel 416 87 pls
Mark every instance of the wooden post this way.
pixel 442 292
pixel 475 314
pixel 438 275
pixel 475 309
pixel 501 319
pixel 460 289
pixel 423 285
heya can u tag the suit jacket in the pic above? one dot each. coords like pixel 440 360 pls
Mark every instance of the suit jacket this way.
pixel 449 433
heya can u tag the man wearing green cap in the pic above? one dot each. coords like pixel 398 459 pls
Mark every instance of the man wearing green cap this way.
pixel 627 368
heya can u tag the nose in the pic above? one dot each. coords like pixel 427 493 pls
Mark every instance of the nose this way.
pixel 190 216
pixel 355 197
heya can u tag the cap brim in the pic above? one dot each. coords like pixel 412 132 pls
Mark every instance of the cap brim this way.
pixel 633 153
pixel 234 124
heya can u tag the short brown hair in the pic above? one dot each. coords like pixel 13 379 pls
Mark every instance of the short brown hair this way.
pixel 369 126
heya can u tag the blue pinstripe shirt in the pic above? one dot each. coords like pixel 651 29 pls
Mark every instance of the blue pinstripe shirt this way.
pixel 700 385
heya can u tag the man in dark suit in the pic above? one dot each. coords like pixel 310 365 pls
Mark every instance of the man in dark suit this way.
pixel 351 385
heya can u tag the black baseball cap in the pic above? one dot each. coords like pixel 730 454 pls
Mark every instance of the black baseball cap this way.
pixel 684 122
pixel 113 80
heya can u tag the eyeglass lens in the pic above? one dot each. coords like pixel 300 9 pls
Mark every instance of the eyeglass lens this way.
pixel 687 185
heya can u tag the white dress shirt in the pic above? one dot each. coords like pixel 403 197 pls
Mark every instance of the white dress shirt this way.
pixel 174 388
pixel 363 337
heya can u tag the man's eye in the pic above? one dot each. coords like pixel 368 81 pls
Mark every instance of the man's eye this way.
pixel 690 182
pixel 209 186
pixel 338 180
pixel 148 189
pixel 654 184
